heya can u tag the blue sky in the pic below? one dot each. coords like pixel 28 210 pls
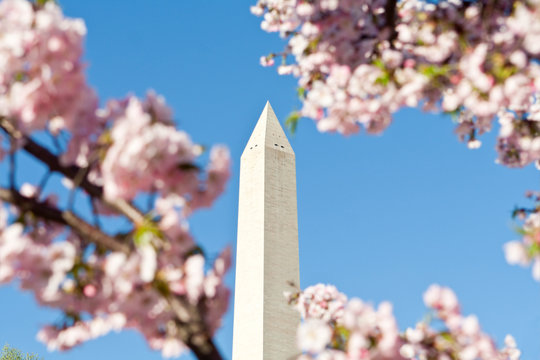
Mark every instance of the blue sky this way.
pixel 381 217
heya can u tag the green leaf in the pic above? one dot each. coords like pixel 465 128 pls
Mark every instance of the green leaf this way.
pixel 454 115
pixel 434 71
pixel 520 230
pixel 312 46
pixel 533 250
pixel 447 336
pixel 379 63
pixel 503 72
pixel 19 76
pixel 43 2
pixel 9 353
pixel 292 121
pixel 343 331
pixel 145 233
pixel 384 79
pixel 301 93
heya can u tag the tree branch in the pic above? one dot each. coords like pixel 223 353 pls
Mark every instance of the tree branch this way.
pixel 192 329
pixel 70 171
pixel 67 218
pixel 390 19
pixel 206 352
pixel 43 154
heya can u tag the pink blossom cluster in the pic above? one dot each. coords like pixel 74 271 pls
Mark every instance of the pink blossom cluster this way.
pixel 358 62
pixel 462 338
pixel 148 154
pixel 100 293
pixel 527 250
pixel 360 331
pixel 42 82
pixel 323 302
pixel 126 150
pixel 518 143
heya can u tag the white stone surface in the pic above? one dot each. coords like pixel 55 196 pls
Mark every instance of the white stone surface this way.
pixel 267 249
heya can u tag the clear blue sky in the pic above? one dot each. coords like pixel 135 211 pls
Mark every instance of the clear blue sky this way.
pixel 381 217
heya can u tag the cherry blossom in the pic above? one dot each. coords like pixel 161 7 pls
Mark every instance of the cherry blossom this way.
pixel 112 285
pixel 527 250
pixel 320 301
pixel 358 62
pixel 361 331
pixel 314 335
pixel 152 276
pixel 42 84
pixel 147 153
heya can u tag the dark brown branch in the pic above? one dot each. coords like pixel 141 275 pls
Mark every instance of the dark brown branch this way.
pixel 390 19
pixel 70 171
pixel 191 326
pixel 48 212
pixel 206 352
pixel 192 329
pixel 43 154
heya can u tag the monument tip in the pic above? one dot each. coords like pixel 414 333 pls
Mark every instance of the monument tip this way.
pixel 268 132
pixel 267 110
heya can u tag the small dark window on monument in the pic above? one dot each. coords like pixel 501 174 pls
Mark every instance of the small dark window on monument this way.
pixel 275 144
pixel 283 147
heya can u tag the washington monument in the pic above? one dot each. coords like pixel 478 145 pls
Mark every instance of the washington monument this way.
pixel 267 249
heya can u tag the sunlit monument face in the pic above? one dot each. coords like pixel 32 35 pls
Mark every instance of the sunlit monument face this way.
pixel 267 250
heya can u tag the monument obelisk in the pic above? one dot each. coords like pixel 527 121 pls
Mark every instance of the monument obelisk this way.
pixel 267 248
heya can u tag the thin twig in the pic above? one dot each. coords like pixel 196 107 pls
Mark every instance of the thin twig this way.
pixel 12 165
pixel 70 171
pixel 76 183
pixel 43 183
pixel 56 143
pixel 97 222
pixel 192 327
